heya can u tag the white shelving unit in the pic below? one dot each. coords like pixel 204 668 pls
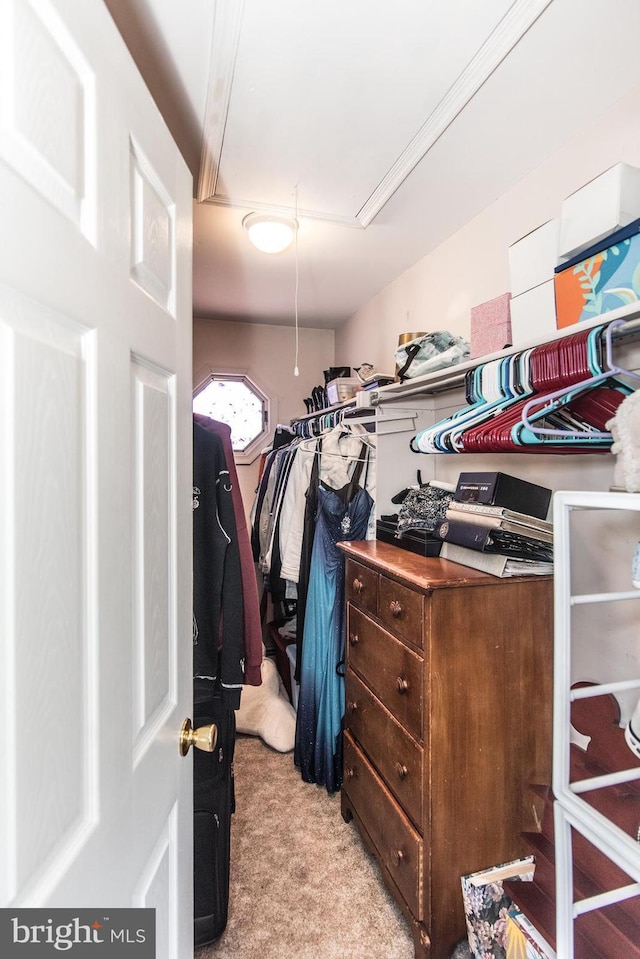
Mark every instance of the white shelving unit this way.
pixel 452 376
pixel 571 810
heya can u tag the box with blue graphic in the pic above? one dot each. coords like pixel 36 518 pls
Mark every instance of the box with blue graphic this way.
pixel 601 279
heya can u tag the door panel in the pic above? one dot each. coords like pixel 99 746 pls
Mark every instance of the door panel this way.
pixel 95 476
pixel 46 376
pixel 48 129
pixel 153 413
pixel 152 231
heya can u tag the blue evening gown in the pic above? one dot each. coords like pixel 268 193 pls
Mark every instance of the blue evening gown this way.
pixel 342 515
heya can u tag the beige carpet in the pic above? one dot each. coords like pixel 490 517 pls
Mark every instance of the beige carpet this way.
pixel 302 885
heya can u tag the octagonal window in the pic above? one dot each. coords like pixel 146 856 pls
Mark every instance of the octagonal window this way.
pixel 235 400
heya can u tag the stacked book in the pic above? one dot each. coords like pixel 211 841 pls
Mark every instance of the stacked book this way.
pixel 496 538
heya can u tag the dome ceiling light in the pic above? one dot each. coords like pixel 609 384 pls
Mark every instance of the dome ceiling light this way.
pixel 270 234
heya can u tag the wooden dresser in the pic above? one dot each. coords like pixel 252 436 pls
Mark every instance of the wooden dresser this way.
pixel 448 722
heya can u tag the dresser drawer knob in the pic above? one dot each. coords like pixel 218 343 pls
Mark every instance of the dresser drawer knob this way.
pixel 401 770
pixel 352 707
pixel 354 639
pixel 398 855
pixel 349 773
pixel 395 608
pixel 358 586
pixel 402 685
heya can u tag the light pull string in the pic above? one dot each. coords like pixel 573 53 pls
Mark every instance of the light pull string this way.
pixel 296 371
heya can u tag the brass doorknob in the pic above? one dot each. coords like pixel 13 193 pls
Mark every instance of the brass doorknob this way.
pixel 205 737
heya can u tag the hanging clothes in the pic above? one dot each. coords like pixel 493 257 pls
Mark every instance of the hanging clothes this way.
pixel 310 513
pixel 218 645
pixel 272 561
pixel 261 506
pixel 293 512
pixel 343 513
pixel 271 522
pixel 252 626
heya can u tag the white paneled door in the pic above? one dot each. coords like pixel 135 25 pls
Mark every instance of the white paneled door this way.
pixel 95 476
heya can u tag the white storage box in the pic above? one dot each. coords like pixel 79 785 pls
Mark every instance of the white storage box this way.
pixel 341 389
pixel 533 315
pixel 598 208
pixel 533 258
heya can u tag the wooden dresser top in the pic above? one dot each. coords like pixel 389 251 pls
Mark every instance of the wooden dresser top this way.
pixel 421 572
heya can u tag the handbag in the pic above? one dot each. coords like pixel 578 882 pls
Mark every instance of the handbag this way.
pixel 429 352
pixel 422 508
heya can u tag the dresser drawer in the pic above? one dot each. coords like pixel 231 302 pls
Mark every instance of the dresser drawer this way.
pixel 401 610
pixel 399 845
pixel 395 755
pixel 389 668
pixel 361 586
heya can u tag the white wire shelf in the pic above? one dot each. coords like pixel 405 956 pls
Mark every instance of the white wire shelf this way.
pixel 572 809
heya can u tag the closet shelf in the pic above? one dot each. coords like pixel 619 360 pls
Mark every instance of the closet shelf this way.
pixel 454 376
pixel 557 397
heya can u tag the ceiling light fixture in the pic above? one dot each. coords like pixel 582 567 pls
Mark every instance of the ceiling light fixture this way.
pixel 270 234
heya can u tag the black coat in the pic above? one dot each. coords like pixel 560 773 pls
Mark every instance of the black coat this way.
pixel 218 642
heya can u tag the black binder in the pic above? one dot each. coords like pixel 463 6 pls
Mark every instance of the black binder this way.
pixel 492 540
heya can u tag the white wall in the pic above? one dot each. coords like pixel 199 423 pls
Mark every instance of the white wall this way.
pixel 267 354
pixel 438 292
pixel 472 266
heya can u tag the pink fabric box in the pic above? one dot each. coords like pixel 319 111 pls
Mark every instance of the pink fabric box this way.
pixel 491 326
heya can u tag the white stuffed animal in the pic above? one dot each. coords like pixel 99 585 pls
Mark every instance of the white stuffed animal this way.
pixel 265 711
pixel 625 430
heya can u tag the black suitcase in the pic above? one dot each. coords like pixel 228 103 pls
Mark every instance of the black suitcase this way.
pixel 213 805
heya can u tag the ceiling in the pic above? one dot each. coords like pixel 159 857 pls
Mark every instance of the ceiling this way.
pixel 385 126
